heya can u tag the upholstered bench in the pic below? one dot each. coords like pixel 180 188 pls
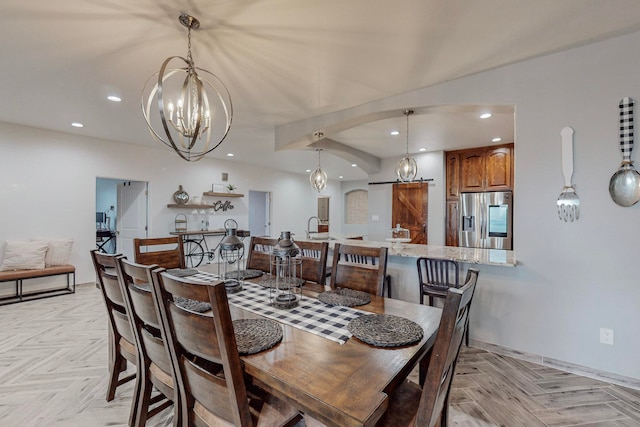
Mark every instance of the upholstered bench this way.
pixel 29 263
pixel 22 294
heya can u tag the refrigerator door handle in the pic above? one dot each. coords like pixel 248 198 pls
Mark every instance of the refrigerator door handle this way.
pixel 483 224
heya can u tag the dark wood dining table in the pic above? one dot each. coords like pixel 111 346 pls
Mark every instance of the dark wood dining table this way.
pixel 339 384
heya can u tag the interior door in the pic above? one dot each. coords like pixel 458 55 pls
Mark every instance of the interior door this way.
pixel 410 203
pixel 259 211
pixel 132 215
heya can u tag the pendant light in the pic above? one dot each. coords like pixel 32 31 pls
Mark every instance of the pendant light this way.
pixel 407 169
pixel 192 114
pixel 318 177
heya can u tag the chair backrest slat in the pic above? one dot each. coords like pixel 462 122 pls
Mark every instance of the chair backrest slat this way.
pixel 166 252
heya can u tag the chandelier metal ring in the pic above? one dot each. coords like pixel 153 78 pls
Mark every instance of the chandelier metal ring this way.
pixel 202 105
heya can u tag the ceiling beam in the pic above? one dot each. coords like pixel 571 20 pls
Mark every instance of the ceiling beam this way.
pixel 365 161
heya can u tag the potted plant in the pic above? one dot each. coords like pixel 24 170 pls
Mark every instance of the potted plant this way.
pixel 230 188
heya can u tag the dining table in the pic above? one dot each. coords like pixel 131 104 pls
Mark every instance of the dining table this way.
pixel 338 381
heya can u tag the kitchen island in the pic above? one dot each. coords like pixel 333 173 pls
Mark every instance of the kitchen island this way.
pixel 496 257
pixel 402 265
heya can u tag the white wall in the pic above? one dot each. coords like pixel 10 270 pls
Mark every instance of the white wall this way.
pixel 573 278
pixel 48 188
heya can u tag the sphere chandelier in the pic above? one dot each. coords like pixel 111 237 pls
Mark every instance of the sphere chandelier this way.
pixel 187 108
pixel 407 169
pixel 318 177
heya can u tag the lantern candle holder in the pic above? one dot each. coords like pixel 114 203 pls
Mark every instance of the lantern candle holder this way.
pixel 286 271
pixel 230 253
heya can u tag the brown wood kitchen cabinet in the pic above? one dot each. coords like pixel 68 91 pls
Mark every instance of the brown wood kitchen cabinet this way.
pixel 453 175
pixel 486 169
pixel 451 237
pixel 475 170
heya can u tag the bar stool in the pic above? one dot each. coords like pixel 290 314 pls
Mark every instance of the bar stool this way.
pixel 436 277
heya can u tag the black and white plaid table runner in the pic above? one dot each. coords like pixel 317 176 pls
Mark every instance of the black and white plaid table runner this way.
pixel 310 315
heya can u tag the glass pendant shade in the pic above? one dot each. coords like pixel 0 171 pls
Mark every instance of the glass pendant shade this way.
pixel 407 169
pixel 318 177
pixel 187 108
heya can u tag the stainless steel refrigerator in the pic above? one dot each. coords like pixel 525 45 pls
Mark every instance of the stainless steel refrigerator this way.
pixel 486 220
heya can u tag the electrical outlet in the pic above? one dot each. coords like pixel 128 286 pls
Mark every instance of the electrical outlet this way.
pixel 606 336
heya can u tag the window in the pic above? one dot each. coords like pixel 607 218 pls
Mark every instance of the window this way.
pixel 357 207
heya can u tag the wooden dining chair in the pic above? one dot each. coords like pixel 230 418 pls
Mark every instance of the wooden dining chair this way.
pixel 436 276
pixel 122 343
pixel 314 261
pixel 155 368
pixel 209 373
pixel 358 267
pixel 259 257
pixel 166 252
pixel 413 405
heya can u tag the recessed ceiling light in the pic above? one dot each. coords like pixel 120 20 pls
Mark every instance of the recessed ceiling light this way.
pixel 340 177
pixel 422 149
pixel 485 115
pixel 353 165
pixel 498 139
pixel 77 125
pixel 395 132
pixel 114 98
pixel 308 170
pixel 229 154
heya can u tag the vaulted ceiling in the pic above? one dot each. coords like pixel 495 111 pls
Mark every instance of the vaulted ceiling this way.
pixel 284 60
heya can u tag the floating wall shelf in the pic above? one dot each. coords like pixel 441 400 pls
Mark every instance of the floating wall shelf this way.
pixel 212 194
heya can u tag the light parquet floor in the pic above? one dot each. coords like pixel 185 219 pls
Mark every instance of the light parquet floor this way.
pixel 53 372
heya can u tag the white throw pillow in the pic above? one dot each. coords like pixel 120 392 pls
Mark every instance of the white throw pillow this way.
pixel 24 255
pixel 59 251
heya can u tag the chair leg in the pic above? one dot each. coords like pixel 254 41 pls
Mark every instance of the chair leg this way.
pixel 117 364
pixel 143 396
pixel 466 336
pixel 387 281
pixel 135 400
pixel 444 416
pixel 423 366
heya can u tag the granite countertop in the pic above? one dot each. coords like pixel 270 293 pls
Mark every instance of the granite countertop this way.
pixel 497 257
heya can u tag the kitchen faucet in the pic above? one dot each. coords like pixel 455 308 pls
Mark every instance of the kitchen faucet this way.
pixel 309 226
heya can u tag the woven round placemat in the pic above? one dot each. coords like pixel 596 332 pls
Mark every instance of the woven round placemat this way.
pixel 385 330
pixel 244 274
pixel 192 305
pixel 182 272
pixel 345 297
pixel 268 281
pixel 186 303
pixel 256 335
